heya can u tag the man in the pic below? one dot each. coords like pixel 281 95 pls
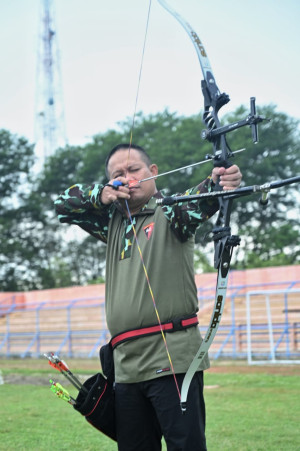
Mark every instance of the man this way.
pixel 149 271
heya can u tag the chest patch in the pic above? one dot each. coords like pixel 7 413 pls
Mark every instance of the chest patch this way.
pixel 148 229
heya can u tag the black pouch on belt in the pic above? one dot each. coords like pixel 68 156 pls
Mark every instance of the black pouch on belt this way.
pixel 96 402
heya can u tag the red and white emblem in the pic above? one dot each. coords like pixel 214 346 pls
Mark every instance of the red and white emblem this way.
pixel 148 229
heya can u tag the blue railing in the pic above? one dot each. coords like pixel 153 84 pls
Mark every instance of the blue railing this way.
pixel 77 327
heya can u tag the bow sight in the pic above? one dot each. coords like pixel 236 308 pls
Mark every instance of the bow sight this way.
pixel 213 133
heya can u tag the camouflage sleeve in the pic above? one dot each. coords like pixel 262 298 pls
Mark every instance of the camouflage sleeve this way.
pixel 81 205
pixel 185 217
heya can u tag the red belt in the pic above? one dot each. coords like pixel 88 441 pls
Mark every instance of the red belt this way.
pixel 171 326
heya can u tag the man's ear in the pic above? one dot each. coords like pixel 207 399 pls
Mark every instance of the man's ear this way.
pixel 154 169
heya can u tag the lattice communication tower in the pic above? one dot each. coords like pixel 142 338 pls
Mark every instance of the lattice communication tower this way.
pixel 50 131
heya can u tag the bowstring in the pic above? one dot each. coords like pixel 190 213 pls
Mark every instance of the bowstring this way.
pixel 153 300
pixel 139 80
pixel 128 210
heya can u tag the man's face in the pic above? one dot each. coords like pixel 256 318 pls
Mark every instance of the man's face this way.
pixel 130 165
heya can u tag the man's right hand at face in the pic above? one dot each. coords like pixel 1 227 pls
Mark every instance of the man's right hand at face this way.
pixel 111 194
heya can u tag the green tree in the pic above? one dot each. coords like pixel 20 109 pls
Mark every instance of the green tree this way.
pixel 38 252
pixel 16 160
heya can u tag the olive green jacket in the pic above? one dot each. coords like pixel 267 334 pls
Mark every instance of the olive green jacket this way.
pixel 149 273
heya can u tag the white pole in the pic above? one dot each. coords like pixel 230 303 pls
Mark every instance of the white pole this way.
pixel 248 329
pixel 270 326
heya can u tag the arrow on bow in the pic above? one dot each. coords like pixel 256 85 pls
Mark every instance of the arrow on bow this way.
pixel 224 242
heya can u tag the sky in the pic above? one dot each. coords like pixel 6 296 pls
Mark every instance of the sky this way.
pixel 252 45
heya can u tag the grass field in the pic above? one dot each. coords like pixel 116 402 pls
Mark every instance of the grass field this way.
pixel 248 408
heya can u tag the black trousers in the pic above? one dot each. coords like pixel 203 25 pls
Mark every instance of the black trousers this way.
pixel 146 411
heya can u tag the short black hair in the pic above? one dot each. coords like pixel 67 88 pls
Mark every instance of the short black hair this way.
pixel 144 155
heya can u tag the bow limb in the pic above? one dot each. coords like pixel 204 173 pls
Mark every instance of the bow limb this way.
pixel 213 99
pixel 223 267
pixel 203 59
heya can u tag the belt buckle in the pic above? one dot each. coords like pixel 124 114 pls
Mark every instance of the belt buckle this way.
pixel 177 325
